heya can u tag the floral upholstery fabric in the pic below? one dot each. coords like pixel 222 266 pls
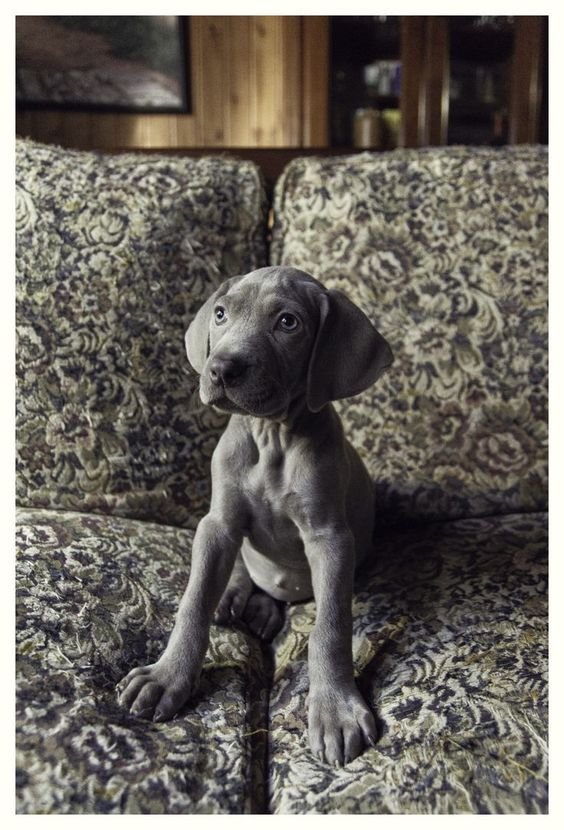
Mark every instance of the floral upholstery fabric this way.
pixel 446 251
pixel 450 642
pixel 96 596
pixel 115 254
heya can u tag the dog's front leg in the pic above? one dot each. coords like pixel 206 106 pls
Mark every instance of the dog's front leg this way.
pixel 158 690
pixel 340 722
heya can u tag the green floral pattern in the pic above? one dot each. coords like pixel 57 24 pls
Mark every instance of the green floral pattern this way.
pixel 450 648
pixel 96 596
pixel 115 254
pixel 450 641
pixel 446 250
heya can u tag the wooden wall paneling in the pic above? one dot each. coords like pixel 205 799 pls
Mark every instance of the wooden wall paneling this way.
pixel 526 91
pixel 106 131
pixel 436 81
pixel 412 98
pixel 197 65
pixel 291 132
pixel 40 125
pixel 238 81
pixel 185 127
pixel 315 82
pixel 109 129
pixel 80 130
pixel 264 87
pixel 210 36
pixel 247 81
pixel 275 111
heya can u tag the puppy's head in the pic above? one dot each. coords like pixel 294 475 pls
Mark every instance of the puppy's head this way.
pixel 267 338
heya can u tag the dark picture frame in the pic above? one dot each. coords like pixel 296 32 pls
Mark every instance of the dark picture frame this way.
pixel 103 64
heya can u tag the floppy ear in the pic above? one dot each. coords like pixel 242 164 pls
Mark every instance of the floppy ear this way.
pixel 197 337
pixel 348 355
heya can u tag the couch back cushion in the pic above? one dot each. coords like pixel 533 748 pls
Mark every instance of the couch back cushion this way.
pixel 115 254
pixel 446 251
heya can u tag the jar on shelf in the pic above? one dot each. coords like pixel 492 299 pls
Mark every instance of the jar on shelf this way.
pixel 367 129
pixel 390 124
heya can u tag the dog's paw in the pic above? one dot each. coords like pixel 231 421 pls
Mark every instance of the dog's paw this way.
pixel 231 606
pixel 234 600
pixel 341 726
pixel 263 616
pixel 157 691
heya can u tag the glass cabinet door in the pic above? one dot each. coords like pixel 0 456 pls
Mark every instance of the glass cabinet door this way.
pixel 434 80
pixel 481 63
pixel 365 81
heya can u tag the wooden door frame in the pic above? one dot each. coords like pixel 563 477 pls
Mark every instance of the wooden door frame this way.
pixel 412 93
pixel 526 87
pixel 315 81
pixel 526 81
pixel 436 81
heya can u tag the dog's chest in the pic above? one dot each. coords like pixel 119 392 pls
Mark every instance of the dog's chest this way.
pixel 271 497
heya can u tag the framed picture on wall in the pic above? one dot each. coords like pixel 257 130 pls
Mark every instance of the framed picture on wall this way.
pixel 110 63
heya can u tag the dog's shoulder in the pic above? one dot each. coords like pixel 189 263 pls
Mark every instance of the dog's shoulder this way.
pixel 236 448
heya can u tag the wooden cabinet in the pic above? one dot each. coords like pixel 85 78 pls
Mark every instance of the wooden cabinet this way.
pixel 494 81
pixel 472 80
pixel 289 81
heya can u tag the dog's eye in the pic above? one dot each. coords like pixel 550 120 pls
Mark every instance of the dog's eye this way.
pixel 219 314
pixel 288 322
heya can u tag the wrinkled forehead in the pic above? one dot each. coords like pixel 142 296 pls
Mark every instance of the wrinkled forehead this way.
pixel 275 289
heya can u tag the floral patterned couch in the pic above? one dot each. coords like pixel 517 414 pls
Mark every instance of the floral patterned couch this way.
pixel 446 250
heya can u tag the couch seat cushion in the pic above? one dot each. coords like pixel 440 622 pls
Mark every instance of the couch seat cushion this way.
pixel 96 596
pixel 115 254
pixel 450 645
pixel 446 250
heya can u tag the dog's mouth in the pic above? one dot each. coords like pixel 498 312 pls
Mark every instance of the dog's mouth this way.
pixel 235 403
pixel 225 404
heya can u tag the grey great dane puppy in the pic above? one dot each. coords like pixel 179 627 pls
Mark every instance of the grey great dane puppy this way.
pixel 291 512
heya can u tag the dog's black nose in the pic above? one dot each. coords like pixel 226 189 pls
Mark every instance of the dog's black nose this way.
pixel 226 370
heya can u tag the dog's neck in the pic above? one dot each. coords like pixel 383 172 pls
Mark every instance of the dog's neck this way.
pixel 298 421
